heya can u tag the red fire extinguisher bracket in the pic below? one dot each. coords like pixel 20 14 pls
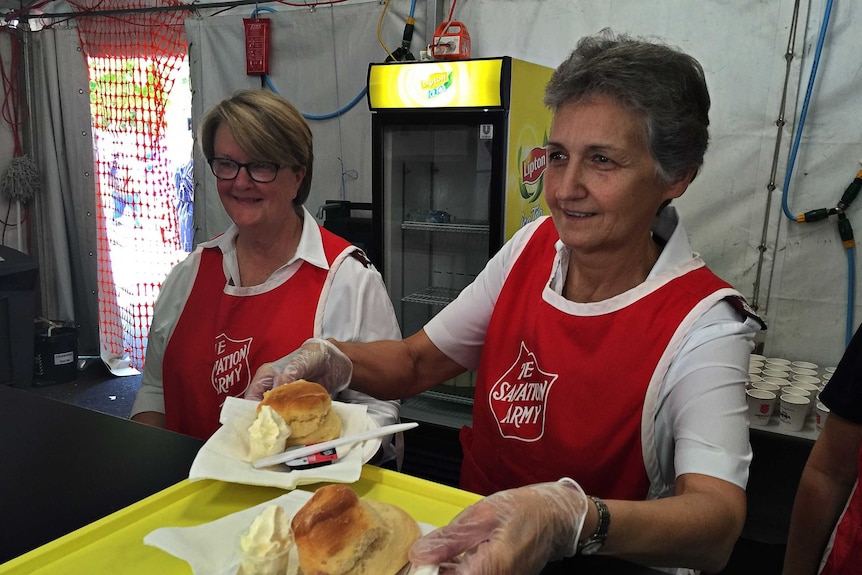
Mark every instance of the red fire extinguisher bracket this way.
pixel 451 41
pixel 256 46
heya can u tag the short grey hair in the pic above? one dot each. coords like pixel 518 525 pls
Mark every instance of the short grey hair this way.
pixel 661 84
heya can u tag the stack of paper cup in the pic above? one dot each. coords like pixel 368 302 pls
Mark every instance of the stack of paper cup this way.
pixel 790 389
pixel 766 386
pixel 804 365
pixel 761 404
pixel 779 373
pixel 792 411
pixel 806 379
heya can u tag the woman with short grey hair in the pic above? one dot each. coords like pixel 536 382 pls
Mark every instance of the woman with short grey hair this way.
pixel 609 414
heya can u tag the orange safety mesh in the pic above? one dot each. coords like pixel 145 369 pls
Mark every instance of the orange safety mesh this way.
pixel 132 59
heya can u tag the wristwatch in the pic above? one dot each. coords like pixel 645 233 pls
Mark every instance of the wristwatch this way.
pixel 594 542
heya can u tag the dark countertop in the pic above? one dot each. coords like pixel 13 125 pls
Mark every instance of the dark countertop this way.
pixel 64 467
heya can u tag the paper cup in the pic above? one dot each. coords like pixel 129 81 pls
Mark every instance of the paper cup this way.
pixel 802 393
pixel 829 369
pixel 752 377
pixel 778 361
pixel 803 371
pixel 777 367
pixel 792 411
pixel 806 385
pixel 757 357
pixel 776 373
pixel 777 380
pixel 804 364
pixel 806 379
pixel 822 412
pixel 826 377
pixel 766 386
pixel 761 404
pixel 754 370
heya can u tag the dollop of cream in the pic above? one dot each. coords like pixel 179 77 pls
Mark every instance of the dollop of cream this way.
pixel 267 434
pixel 267 542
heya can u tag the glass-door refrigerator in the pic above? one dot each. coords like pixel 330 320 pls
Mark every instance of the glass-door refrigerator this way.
pixel 458 158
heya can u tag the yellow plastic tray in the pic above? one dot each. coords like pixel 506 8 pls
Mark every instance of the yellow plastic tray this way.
pixel 114 544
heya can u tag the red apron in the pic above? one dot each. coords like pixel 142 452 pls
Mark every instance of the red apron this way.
pixel 562 395
pixel 221 339
pixel 846 554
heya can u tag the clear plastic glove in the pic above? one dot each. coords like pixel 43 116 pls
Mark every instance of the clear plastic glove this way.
pixel 513 531
pixel 315 360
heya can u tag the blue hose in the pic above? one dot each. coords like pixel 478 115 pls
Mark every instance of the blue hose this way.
pixel 851 252
pixel 810 89
pixel 330 115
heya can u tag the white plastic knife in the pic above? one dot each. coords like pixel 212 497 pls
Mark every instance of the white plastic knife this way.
pixel 292 454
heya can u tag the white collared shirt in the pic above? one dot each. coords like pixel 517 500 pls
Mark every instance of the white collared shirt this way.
pixel 358 308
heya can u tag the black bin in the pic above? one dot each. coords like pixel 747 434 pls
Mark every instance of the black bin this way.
pixel 18 278
pixel 55 359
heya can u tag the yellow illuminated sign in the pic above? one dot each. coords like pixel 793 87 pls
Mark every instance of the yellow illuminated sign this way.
pixel 450 84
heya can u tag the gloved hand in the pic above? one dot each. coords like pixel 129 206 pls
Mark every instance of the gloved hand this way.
pixel 513 531
pixel 315 360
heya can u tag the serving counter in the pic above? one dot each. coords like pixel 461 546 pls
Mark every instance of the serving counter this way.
pixel 64 467
pixel 81 489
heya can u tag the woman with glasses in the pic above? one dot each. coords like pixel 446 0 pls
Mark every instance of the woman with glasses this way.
pixel 272 280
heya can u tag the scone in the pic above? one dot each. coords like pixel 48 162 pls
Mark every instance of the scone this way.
pixel 307 410
pixel 337 533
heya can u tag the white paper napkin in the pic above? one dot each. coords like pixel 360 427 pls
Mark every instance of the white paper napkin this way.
pixel 213 548
pixel 224 456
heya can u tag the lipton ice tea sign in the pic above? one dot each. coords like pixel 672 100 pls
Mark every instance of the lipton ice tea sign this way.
pixel 532 170
pixel 461 84
pixel 526 173
pixel 436 84
pixel 529 122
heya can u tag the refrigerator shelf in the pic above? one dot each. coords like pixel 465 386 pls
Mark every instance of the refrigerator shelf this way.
pixel 448 397
pixel 433 296
pixel 462 227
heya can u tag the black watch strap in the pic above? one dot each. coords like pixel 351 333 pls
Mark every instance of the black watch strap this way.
pixel 595 541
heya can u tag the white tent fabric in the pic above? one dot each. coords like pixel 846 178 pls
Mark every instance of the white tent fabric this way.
pixel 729 212
pixel 797 274
pixel 320 63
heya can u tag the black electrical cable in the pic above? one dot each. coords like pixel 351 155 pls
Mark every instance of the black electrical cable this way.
pixel 193 7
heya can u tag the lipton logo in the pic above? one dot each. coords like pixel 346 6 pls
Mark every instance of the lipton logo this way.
pixel 230 368
pixel 532 169
pixel 436 83
pixel 519 398
pixel 533 165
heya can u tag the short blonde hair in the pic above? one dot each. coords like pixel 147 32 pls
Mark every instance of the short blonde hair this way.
pixel 268 128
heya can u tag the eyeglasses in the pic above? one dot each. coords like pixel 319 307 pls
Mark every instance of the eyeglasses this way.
pixel 261 172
